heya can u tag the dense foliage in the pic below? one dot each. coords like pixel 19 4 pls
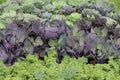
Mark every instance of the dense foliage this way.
pixel 59 40
pixel 69 69
pixel 117 3
pixel 90 29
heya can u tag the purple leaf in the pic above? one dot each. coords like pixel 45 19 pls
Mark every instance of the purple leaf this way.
pixel 35 27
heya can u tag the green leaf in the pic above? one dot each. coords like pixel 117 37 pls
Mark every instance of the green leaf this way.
pixel 110 21
pixel 75 3
pixel 40 75
pixel 59 4
pixel 74 17
pixel 11 7
pixel 2 26
pixel 1 1
pixel 69 23
pixel 29 17
pixel 99 46
pixel 53 42
pixel 9 14
pixel 62 41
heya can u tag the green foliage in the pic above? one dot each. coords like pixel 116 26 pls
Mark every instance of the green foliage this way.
pixel 42 9
pixel 12 9
pixel 69 69
pixel 2 26
pixel 1 1
pixel 117 3
pixel 70 19
pixel 75 3
pixel 74 17
pixel 59 4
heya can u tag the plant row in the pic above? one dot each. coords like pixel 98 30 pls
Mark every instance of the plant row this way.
pixel 70 69
pixel 90 29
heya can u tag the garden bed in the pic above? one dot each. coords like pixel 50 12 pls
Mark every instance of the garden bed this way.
pixel 59 40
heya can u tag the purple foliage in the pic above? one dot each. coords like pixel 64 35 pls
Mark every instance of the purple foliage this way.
pixel 67 10
pixel 15 40
pixel 90 37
